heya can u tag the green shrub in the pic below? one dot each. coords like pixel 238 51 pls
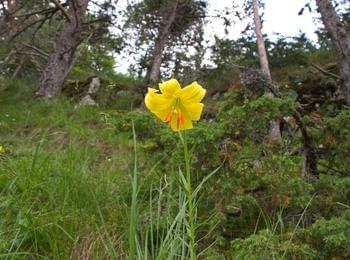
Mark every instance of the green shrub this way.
pixel 331 238
pixel 266 245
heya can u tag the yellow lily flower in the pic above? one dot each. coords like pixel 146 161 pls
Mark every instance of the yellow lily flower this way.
pixel 2 149
pixel 176 106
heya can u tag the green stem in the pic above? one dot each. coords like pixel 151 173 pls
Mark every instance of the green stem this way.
pixel 191 210
pixel 133 210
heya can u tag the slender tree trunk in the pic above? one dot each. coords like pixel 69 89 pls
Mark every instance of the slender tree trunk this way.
pixel 264 62
pixel 160 43
pixel 61 59
pixel 275 132
pixel 340 37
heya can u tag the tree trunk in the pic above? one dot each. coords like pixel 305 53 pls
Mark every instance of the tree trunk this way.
pixel 61 59
pixel 340 37
pixel 309 166
pixel 264 62
pixel 163 33
pixel 275 132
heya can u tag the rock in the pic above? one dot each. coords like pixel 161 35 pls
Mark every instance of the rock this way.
pixel 87 101
pixel 93 88
pixel 80 89
pixel 94 85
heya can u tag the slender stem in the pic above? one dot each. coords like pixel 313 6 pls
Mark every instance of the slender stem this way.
pixel 133 210
pixel 191 210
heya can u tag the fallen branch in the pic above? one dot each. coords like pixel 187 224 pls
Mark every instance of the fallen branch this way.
pixel 325 71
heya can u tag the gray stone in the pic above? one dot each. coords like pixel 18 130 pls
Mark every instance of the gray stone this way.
pixel 87 101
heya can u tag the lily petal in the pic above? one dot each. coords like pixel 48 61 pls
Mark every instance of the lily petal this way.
pixel 170 87
pixel 193 110
pixel 157 103
pixel 193 93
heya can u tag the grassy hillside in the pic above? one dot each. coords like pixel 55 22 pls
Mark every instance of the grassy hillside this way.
pixel 66 181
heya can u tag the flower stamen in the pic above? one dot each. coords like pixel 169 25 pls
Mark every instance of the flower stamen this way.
pixel 180 119
pixel 168 117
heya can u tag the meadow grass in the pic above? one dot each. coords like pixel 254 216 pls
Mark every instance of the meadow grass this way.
pixel 64 181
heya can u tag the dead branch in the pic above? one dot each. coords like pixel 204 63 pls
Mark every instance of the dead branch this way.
pixel 32 54
pixel 35 49
pixel 47 17
pixel 40 12
pixel 26 28
pixel 325 71
pixel 59 6
pixel 18 68
pixel 48 14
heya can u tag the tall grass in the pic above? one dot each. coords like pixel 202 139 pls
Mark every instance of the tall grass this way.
pixel 163 233
pixel 168 231
pixel 54 205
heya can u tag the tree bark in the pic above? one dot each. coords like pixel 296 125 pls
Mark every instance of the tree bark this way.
pixel 340 37
pixel 275 132
pixel 61 59
pixel 168 19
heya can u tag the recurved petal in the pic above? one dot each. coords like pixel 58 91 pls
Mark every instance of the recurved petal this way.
pixel 170 87
pixel 193 93
pixel 193 110
pixel 157 103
